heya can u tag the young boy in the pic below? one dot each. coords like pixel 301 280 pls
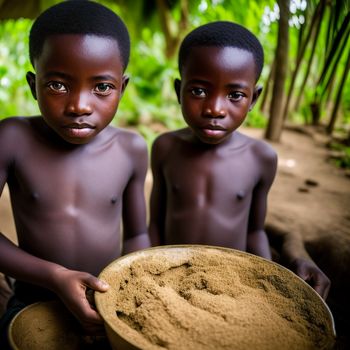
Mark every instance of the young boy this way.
pixel 210 182
pixel 72 177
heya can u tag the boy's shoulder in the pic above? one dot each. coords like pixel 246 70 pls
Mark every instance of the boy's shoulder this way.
pixel 166 143
pixel 128 134
pixel 13 128
pixel 128 139
pixel 12 123
pixel 15 136
pixel 260 148
pixel 169 138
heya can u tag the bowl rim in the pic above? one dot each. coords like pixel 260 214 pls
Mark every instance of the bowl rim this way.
pixel 54 303
pixel 99 296
pixel 16 317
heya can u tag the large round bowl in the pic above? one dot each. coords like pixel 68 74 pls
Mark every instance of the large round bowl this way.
pixel 204 297
pixel 44 325
pixel 50 326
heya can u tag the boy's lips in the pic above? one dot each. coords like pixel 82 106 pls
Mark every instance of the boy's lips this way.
pixel 79 126
pixel 79 129
pixel 214 127
pixel 213 130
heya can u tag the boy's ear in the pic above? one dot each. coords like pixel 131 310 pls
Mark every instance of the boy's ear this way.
pixel 125 81
pixel 177 86
pixel 31 82
pixel 257 91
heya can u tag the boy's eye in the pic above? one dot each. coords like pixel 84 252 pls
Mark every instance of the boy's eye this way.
pixel 103 88
pixel 57 86
pixel 198 92
pixel 235 96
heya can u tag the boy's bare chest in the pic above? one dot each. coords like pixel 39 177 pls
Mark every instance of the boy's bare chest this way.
pixel 63 179
pixel 211 178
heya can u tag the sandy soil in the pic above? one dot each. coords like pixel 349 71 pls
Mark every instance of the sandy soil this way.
pixel 311 199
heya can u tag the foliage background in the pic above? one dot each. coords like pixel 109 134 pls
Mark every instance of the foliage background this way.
pixel 156 28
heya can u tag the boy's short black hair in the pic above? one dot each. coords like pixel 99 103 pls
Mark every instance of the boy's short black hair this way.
pixel 222 34
pixel 79 17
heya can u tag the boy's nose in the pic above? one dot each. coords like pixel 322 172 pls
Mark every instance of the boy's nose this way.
pixel 215 108
pixel 78 104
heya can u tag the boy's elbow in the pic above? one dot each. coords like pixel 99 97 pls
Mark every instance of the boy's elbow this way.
pixel 258 244
pixel 139 242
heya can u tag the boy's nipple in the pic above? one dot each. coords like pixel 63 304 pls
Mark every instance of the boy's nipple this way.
pixel 240 195
pixel 114 200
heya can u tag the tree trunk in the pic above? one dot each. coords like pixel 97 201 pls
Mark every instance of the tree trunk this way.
pixel 332 121
pixel 267 87
pixel 331 57
pixel 336 60
pixel 317 16
pixel 309 64
pixel 329 71
pixel 275 124
pixel 315 112
pixel 172 40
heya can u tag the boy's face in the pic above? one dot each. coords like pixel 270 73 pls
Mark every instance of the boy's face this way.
pixel 217 91
pixel 79 82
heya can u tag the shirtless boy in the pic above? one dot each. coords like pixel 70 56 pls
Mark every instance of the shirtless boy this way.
pixel 211 182
pixel 73 178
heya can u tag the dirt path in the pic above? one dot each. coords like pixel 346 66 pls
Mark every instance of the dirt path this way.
pixel 311 199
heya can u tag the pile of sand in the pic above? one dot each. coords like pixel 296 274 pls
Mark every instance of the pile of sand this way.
pixel 214 299
pixel 50 326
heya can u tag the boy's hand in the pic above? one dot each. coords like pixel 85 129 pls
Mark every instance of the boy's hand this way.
pixel 71 287
pixel 311 274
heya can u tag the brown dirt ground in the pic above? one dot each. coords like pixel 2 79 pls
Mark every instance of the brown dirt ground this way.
pixel 316 211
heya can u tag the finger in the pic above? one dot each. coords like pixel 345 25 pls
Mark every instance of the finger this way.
pixel 322 288
pixel 90 315
pixel 84 312
pixel 310 280
pixel 326 292
pixel 302 273
pixel 90 297
pixel 96 284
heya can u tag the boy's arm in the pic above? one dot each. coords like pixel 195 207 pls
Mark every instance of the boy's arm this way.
pixel 70 286
pixel 134 204
pixel 295 257
pixel 257 241
pixel 158 194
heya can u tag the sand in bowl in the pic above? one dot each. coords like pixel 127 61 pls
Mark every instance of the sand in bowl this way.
pixel 196 297
pixel 50 326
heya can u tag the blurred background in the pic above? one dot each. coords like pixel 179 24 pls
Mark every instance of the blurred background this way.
pixel 305 77
pixel 304 110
